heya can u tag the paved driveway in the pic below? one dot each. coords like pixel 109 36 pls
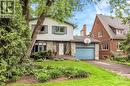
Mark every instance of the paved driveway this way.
pixel 118 68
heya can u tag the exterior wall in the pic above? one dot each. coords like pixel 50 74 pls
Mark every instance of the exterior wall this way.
pixel 113 46
pixel 54 47
pixel 49 36
pixel 96 51
pixel 98 27
pixel 50 46
pixel 73 49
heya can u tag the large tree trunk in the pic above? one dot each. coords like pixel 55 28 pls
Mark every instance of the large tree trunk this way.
pixel 36 30
pixel 38 27
pixel 25 9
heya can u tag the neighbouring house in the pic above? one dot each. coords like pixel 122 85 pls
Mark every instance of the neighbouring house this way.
pixel 58 37
pixel 110 32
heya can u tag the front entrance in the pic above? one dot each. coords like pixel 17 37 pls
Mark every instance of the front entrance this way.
pixel 61 49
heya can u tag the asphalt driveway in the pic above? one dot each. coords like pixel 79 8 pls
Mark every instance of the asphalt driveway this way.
pixel 121 69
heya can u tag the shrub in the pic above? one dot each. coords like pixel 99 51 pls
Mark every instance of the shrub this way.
pixel 82 74
pixel 42 77
pixel 40 60
pixel 68 71
pixel 42 55
pixel 54 73
pixel 75 73
pixel 118 57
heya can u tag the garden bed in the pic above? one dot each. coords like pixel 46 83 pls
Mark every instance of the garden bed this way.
pixel 98 76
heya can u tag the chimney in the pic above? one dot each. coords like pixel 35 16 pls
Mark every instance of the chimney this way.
pixel 83 31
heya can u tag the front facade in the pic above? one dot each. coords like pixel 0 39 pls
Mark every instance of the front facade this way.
pixel 109 31
pixel 54 36
pixel 58 37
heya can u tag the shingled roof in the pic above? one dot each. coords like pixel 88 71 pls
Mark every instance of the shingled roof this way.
pixel 108 21
pixel 81 39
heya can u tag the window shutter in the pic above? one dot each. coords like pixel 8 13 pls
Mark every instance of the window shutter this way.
pixel 46 29
pixel 53 29
pixel 65 30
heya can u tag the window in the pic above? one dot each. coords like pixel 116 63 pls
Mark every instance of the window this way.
pixel 100 34
pixel 105 46
pixel 118 46
pixel 44 29
pixel 121 32
pixel 60 30
pixel 39 47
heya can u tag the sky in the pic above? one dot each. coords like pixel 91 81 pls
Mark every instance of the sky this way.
pixel 87 16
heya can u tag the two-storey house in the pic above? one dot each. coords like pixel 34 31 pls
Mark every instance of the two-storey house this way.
pixel 54 36
pixel 109 31
pixel 58 37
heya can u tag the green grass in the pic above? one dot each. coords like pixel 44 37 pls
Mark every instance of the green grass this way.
pixel 98 77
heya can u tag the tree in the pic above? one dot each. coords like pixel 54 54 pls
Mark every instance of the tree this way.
pixel 14 39
pixel 122 10
pixel 57 9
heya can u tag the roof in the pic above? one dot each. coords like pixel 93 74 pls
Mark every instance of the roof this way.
pixel 108 21
pixel 52 18
pixel 81 39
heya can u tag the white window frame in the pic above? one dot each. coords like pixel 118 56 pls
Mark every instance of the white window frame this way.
pixel 120 32
pixel 59 32
pixel 41 44
pixel 100 34
pixel 118 46
pixel 105 46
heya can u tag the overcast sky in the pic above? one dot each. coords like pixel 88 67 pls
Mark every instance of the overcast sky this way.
pixel 88 14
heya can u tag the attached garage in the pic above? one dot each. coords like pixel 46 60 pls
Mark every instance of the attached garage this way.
pixel 86 51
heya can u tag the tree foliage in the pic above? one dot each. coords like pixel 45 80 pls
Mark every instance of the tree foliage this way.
pixel 14 39
pixel 59 10
pixel 121 8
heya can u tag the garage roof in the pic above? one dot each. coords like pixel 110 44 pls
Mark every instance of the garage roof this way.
pixel 81 39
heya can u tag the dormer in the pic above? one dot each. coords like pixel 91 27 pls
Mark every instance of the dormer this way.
pixel 117 31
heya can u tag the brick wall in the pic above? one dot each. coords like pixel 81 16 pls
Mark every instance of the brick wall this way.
pixel 98 27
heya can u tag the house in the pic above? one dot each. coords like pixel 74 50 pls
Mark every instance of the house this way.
pixel 58 37
pixel 109 31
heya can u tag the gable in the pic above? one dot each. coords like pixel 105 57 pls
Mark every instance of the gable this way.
pixel 50 20
pixel 99 27
pixel 108 21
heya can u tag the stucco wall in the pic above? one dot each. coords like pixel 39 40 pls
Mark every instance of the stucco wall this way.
pixel 49 36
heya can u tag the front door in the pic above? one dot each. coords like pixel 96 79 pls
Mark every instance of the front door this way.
pixel 61 49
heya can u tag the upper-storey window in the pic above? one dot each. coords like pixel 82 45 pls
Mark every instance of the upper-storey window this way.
pixel 59 30
pixel 100 34
pixel 44 29
pixel 120 32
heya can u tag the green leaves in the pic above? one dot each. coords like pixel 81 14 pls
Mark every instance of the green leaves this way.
pixel 59 10
pixel 14 38
pixel 121 9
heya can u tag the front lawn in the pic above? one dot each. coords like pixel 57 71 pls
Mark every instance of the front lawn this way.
pixel 98 77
